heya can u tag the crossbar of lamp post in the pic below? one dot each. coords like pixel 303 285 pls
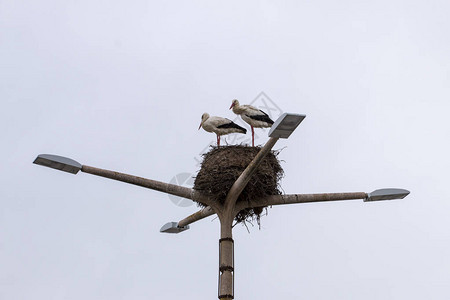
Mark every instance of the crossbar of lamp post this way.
pixel 276 200
pixel 150 184
pixel 381 194
pixel 300 198
pixel 201 214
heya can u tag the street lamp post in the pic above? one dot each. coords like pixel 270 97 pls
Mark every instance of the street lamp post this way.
pixel 282 128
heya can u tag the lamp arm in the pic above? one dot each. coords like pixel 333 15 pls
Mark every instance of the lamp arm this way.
pixel 299 198
pixel 149 183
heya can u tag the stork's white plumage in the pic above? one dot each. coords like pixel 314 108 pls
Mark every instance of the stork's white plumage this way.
pixel 220 126
pixel 253 116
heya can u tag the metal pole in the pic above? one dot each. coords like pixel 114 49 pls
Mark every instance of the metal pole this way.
pixel 226 216
pixel 226 260
pixel 203 213
pixel 150 184
pixel 300 198
pixel 277 200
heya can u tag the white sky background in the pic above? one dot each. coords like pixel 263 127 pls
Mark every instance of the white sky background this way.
pixel 121 85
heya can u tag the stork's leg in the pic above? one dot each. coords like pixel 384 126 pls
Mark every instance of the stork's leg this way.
pixel 253 136
pixel 218 140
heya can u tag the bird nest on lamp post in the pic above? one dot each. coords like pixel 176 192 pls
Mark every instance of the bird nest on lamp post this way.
pixel 220 168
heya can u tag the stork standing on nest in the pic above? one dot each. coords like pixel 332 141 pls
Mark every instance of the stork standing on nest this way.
pixel 253 116
pixel 220 126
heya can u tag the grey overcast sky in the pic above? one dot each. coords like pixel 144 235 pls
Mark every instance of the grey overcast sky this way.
pixel 121 85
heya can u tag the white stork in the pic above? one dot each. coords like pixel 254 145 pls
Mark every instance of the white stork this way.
pixel 253 116
pixel 220 126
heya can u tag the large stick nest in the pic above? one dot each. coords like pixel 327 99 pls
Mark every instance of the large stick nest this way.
pixel 221 167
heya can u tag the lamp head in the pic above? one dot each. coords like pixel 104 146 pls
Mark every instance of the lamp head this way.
pixel 285 125
pixel 386 194
pixel 58 162
pixel 172 227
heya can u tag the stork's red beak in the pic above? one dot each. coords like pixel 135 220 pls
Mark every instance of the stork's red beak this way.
pixel 232 104
pixel 201 123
